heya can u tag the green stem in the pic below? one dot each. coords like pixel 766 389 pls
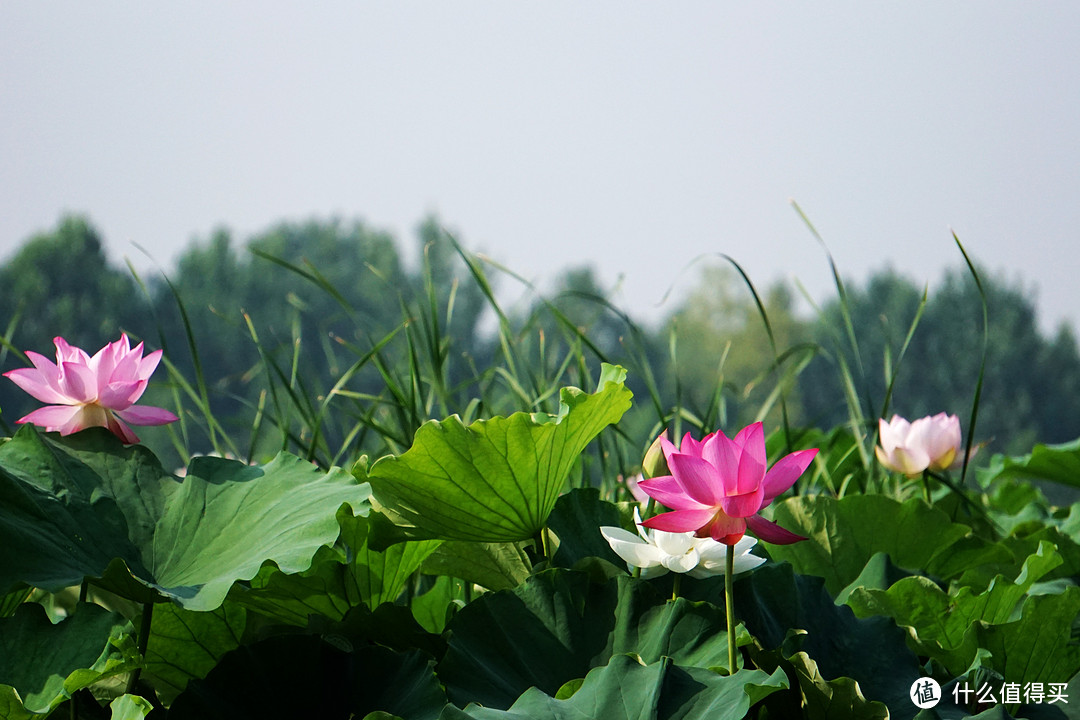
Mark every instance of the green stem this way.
pixel 410 588
pixel 541 545
pixel 926 486
pixel 144 641
pixel 675 587
pixel 84 590
pixel 729 602
pixel 959 492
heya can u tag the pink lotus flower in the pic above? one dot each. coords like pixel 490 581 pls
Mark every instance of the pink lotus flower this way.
pixel 98 391
pixel 929 443
pixel 718 485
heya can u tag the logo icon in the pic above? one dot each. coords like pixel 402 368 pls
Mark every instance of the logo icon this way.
pixel 925 693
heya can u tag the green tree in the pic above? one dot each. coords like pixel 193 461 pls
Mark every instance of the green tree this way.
pixel 565 334
pixel 303 290
pixel 448 306
pixel 722 345
pixel 880 312
pixel 1026 395
pixel 319 297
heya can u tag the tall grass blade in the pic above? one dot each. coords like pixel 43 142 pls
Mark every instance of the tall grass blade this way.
pixel 772 344
pixel 892 372
pixel 982 361
pixel 212 425
pixel 857 411
pixel 311 274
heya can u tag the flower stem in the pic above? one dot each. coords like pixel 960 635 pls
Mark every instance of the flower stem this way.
pixel 729 602
pixel 676 579
pixel 926 486
pixel 144 640
pixel 540 542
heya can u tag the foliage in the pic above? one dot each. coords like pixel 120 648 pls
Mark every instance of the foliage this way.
pixel 61 283
pixel 722 343
pixel 91 507
pixel 1028 380
pixel 462 574
pixel 495 480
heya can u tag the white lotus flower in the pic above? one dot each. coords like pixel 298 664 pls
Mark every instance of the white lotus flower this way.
pixel 657 551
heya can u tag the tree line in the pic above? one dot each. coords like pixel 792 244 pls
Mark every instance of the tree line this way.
pixel 306 309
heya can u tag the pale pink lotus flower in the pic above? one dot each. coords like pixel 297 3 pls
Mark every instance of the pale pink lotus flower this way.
pixel 718 485
pixel 929 443
pixel 99 391
pixel 635 491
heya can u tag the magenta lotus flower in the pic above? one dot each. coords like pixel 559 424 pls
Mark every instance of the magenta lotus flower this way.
pixel 98 391
pixel 717 487
pixel 929 443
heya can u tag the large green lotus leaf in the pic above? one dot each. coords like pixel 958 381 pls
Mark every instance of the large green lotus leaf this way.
pixel 844 534
pixel 691 693
pixel 1065 544
pixel 494 480
pixel 11 601
pixel 392 626
pixel 842 697
pixel 625 689
pixel 434 608
pixel 495 566
pixel 185 644
pixel 84 505
pixel 879 574
pixel 292 598
pixel 558 625
pixel 130 707
pixel 1039 647
pixel 1022 545
pixel 941 620
pixel 794 613
pixel 302 676
pixel 1056 463
pixel 375 577
pixel 226 520
pixel 969 553
pixel 576 521
pixel 11 707
pixel 45 663
pixel 339 579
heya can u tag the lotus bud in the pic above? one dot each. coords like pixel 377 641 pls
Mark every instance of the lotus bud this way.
pixel 655 463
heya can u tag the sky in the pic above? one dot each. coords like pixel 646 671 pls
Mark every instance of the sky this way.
pixel 642 138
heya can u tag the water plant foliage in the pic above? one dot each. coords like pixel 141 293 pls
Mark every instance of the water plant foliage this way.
pixel 421 539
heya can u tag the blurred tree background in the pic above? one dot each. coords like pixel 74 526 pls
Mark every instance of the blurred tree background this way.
pixel 304 310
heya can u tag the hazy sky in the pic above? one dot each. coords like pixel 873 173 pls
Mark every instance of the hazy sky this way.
pixel 636 136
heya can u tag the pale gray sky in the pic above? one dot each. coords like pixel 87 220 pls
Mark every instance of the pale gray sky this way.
pixel 634 135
